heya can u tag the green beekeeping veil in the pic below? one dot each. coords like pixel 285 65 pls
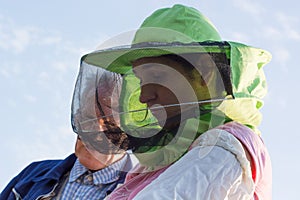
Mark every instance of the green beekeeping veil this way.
pixel 183 30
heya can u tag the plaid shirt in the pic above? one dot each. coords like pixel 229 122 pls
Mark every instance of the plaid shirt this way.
pixel 83 184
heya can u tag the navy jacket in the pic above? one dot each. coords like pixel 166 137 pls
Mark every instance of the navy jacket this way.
pixel 38 178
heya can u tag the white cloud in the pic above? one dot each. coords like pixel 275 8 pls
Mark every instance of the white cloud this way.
pixel 284 27
pixel 293 34
pixel 51 40
pixel 251 7
pixel 282 103
pixel 281 55
pixel 77 51
pixel 43 77
pixel 272 33
pixel 20 39
pixel 30 98
pixel 61 140
pixel 66 131
pixel 44 145
pixel 10 69
pixel 60 66
pixel 290 25
pixel 15 38
pixel 11 103
pixel 4 73
pixel 238 36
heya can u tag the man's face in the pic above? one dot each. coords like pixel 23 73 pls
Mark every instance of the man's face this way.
pixel 165 82
pixel 100 137
pixel 86 158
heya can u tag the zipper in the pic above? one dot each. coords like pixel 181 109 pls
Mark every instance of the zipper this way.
pixel 17 195
pixel 48 194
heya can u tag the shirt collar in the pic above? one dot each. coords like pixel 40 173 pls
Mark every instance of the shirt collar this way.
pixel 106 175
pixel 77 170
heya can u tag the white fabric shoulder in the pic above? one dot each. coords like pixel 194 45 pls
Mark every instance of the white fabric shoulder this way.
pixel 215 168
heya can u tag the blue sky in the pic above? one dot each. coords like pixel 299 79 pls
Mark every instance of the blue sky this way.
pixel 41 43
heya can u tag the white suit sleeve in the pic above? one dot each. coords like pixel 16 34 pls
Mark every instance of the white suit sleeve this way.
pixel 215 168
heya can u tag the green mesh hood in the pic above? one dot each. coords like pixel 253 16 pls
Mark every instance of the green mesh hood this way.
pixel 248 87
pixel 248 83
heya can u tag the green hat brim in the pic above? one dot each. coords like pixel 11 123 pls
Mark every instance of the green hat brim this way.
pixel 119 59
